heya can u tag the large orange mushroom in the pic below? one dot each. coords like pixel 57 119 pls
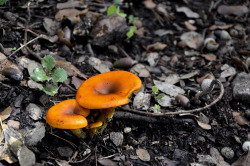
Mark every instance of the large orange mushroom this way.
pixel 107 91
pixel 69 114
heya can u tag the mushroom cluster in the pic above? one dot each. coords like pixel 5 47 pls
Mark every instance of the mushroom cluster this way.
pixel 102 92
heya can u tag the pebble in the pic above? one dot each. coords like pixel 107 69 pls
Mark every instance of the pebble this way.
pixel 141 70
pixel 26 157
pixel 241 87
pixel 34 85
pixel 165 101
pixel 36 134
pixel 246 146
pixel 18 101
pixel 227 152
pixel 14 124
pixel 65 151
pixel 34 111
pixel 127 130
pixel 152 58
pixel 116 138
pixel 142 101
pixel 98 65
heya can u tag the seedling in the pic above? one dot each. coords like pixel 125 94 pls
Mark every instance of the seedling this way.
pixel 157 107
pixel 50 75
pixel 157 96
pixel 13 48
pixel 113 9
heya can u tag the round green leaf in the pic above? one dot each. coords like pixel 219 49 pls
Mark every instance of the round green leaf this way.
pixel 39 75
pixel 112 9
pixel 48 63
pixel 59 75
pixel 50 89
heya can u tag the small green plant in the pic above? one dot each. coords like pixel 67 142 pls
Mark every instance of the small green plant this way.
pixel 113 9
pixel 49 74
pixel 157 107
pixel 13 48
pixel 157 96
pixel 2 2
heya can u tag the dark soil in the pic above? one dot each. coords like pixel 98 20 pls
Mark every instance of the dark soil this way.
pixel 171 140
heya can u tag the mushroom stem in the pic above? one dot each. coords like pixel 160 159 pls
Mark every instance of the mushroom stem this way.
pixel 105 117
pixel 79 133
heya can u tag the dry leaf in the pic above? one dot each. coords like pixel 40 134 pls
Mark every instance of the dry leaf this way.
pixel 213 27
pixel 66 13
pixel 76 82
pixel 157 46
pixel 188 12
pixel 234 10
pixel 149 4
pixel 209 57
pixel 5 63
pixel 69 68
pixel 240 120
pixel 143 154
pixel 106 162
pixel 6 113
pixel 190 26
pixel 243 160
pixel 69 4
pixel 203 125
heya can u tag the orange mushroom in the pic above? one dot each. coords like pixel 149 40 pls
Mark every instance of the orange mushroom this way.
pixel 69 114
pixel 107 91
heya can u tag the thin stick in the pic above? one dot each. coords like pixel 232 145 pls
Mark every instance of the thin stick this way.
pixel 182 111
pixel 80 160
pixel 72 144
pixel 25 45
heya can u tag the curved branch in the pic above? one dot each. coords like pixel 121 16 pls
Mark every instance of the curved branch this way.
pixel 182 111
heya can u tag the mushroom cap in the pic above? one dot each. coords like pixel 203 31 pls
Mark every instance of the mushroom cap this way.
pixel 67 114
pixel 107 90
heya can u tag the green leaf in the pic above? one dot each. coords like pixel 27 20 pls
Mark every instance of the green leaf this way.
pixel 158 97
pixel 112 9
pixel 133 28
pixel 157 107
pixel 39 75
pixel 155 89
pixel 48 63
pixel 129 34
pixel 122 14
pixel 59 75
pixel 50 89
pixel 131 19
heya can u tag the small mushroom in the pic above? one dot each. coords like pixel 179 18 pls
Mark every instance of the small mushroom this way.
pixel 69 114
pixel 107 91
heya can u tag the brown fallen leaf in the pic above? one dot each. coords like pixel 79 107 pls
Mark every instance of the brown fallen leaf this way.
pixel 203 125
pixel 214 27
pixel 209 57
pixel 143 154
pixel 157 46
pixel 190 26
pixel 240 120
pixel 234 10
pixel 5 113
pixel 66 13
pixel 69 4
pixel 69 68
pixel 76 82
pixel 149 4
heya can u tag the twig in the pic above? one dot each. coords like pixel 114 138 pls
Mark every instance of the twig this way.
pixel 72 144
pixel 122 51
pixel 182 111
pixel 25 45
pixel 108 156
pixel 80 160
